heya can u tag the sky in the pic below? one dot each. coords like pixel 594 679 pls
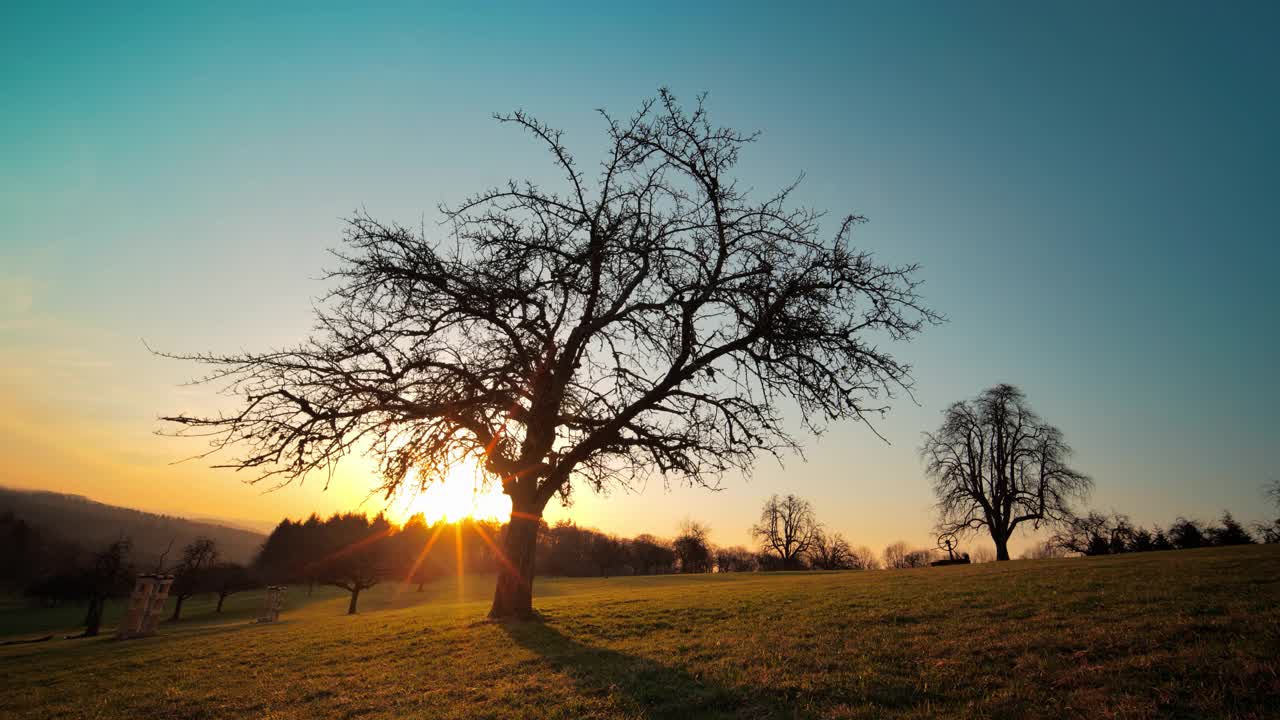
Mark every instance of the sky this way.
pixel 1089 188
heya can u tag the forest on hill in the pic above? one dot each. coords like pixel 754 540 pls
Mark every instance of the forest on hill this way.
pixel 83 522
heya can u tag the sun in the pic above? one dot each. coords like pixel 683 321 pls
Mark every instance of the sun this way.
pixel 461 494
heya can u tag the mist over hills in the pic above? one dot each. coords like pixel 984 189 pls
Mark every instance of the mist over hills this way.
pixel 92 524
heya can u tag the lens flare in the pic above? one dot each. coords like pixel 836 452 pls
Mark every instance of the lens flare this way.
pixel 460 494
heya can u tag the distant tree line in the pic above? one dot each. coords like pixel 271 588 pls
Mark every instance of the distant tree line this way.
pixel 790 537
pixel 95 525
pixel 356 552
pixel 1099 534
pixel 54 572
pixel 65 550
pixel 31 552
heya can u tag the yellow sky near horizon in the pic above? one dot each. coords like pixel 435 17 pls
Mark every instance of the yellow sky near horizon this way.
pixel 79 410
pixel 78 414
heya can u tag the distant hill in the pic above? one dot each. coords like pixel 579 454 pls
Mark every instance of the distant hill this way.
pixel 93 524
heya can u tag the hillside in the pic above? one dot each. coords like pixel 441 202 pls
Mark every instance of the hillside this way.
pixel 92 524
pixel 1191 634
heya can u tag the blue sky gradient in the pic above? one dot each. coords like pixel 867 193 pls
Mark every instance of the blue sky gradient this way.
pixel 1090 188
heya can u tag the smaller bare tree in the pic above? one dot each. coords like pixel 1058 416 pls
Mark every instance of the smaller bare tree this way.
pixel 190 574
pixel 1095 534
pixel 864 558
pixel 895 555
pixel 107 576
pixel 693 547
pixel 788 528
pixel 735 559
pixel 227 579
pixel 919 558
pixel 357 554
pixel 830 552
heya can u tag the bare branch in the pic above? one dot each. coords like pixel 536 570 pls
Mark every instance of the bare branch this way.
pixel 650 321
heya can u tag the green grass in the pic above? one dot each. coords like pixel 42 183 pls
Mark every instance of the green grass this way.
pixel 1188 634
pixel 18 618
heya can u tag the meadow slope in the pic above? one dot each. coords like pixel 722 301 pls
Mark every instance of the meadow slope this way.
pixel 1176 634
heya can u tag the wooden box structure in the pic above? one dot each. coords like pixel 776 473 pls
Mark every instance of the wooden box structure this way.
pixel 274 603
pixel 146 605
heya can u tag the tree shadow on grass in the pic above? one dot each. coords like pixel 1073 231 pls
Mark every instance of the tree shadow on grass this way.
pixel 651 689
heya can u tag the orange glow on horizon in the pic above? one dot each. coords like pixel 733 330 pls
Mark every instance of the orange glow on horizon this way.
pixel 461 493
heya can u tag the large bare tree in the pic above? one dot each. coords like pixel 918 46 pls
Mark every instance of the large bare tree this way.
pixel 645 319
pixel 787 528
pixel 996 464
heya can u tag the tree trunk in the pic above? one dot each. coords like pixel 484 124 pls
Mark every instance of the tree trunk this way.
pixel 1002 546
pixel 221 597
pixel 513 597
pixel 355 595
pixel 177 608
pixel 93 618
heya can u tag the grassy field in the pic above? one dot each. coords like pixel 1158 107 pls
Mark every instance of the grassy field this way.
pixel 1179 634
pixel 19 619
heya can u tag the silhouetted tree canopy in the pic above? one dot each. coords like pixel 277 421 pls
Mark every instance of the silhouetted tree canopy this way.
pixel 864 558
pixel 348 550
pixel 30 553
pixel 787 528
pixel 567 549
pixel 898 556
pixel 355 554
pixel 996 464
pixel 190 574
pixel 735 559
pixel 652 556
pixel 647 318
pixel 1186 534
pixel 692 547
pixel 347 547
pixel 1230 532
pixel 830 552
pixel 227 579
pixel 1097 534
pixel 108 574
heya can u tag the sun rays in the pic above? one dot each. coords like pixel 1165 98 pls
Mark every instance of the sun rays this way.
pixel 461 493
